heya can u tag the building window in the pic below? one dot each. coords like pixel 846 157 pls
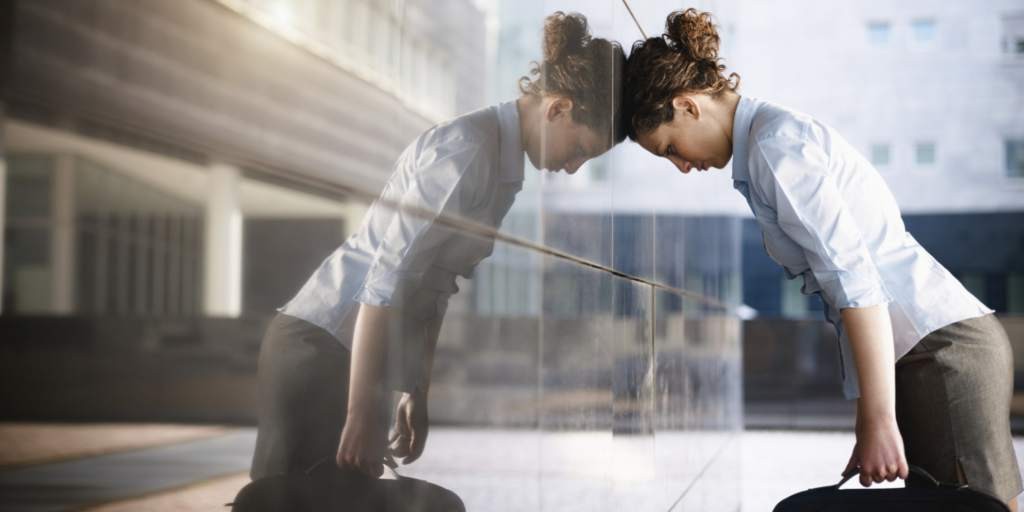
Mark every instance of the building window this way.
pixel 1015 158
pixel 1015 293
pixel 1013 34
pixel 924 153
pixel 880 155
pixel 975 283
pixel 878 33
pixel 923 31
pixel 794 302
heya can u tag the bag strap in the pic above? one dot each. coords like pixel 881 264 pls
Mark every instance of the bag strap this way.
pixel 917 470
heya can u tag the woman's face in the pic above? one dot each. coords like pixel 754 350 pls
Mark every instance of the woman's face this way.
pixel 561 143
pixel 693 139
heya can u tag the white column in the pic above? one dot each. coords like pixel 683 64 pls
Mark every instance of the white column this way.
pixel 3 219
pixel 223 243
pixel 62 236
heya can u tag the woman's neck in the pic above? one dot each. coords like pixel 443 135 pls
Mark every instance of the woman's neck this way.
pixel 729 102
pixel 528 107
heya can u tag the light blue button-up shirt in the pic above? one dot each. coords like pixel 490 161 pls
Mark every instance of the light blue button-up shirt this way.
pixel 470 167
pixel 827 216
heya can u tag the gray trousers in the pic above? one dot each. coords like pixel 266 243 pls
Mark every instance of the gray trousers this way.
pixel 953 393
pixel 303 397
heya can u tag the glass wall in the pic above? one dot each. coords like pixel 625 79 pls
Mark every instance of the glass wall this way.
pixel 329 157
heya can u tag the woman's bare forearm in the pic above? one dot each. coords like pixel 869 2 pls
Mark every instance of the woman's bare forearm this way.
pixel 869 330
pixel 430 347
pixel 369 347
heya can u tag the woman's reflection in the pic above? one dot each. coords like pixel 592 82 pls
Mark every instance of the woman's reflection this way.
pixel 366 322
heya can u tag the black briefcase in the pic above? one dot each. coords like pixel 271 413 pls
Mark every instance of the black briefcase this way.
pixel 932 496
pixel 325 488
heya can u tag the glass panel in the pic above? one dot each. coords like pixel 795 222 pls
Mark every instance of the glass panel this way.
pixel 698 414
pixel 352 158
pixel 577 394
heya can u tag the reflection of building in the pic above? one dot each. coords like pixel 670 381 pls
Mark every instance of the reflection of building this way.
pixel 178 159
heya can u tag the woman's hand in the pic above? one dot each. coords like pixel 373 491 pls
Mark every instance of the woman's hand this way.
pixel 362 445
pixel 409 434
pixel 879 451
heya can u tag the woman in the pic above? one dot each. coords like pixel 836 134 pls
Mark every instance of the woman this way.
pixel 926 358
pixel 366 322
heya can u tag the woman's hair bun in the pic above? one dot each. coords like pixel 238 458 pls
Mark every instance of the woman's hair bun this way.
pixel 564 34
pixel 693 32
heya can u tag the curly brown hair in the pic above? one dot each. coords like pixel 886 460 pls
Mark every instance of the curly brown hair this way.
pixel 683 60
pixel 587 70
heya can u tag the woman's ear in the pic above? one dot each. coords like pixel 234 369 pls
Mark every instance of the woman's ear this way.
pixel 686 105
pixel 557 107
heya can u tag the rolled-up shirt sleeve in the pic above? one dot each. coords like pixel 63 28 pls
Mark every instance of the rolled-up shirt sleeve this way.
pixel 793 175
pixel 435 185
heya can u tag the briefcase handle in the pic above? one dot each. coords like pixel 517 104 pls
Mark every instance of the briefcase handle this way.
pixel 917 470
pixel 323 462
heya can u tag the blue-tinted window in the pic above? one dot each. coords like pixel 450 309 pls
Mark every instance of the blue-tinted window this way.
pixel 924 153
pixel 923 30
pixel 880 154
pixel 1015 293
pixel 878 33
pixel 1015 158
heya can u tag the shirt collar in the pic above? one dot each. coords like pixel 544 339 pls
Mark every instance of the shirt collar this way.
pixel 745 111
pixel 510 143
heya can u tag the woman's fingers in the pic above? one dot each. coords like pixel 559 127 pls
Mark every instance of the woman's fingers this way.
pixel 865 478
pixel 370 467
pixel 883 473
pixel 418 442
pixel 853 463
pixel 417 439
pixel 398 442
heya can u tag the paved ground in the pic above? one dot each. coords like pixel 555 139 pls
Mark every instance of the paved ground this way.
pixel 84 481
pixel 33 443
pixel 493 471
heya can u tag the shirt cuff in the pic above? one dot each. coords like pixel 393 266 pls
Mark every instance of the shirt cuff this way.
pixel 855 292
pixel 380 290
